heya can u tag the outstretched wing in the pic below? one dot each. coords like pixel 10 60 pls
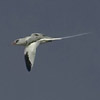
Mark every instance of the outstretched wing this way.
pixel 29 55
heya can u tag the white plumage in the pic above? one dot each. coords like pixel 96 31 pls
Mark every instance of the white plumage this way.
pixel 32 42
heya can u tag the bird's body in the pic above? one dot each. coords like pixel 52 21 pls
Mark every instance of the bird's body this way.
pixel 32 42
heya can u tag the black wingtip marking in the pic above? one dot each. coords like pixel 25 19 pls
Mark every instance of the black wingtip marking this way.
pixel 27 61
pixel 36 34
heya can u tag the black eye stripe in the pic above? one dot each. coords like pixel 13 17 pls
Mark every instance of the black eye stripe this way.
pixel 17 41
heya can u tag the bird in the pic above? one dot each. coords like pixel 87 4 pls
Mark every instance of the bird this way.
pixel 32 42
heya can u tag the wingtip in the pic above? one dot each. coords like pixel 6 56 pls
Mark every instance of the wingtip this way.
pixel 29 69
pixel 28 63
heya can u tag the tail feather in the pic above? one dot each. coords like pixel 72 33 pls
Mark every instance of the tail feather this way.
pixel 60 38
pixel 72 36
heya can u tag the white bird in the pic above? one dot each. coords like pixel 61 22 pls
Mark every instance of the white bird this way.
pixel 32 42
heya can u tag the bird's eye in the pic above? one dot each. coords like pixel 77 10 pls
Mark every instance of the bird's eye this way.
pixel 17 41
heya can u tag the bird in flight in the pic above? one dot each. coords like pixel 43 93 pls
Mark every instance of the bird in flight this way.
pixel 32 42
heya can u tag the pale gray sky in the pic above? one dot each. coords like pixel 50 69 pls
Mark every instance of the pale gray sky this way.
pixel 63 70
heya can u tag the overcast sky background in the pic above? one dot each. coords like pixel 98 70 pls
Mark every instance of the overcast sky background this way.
pixel 63 70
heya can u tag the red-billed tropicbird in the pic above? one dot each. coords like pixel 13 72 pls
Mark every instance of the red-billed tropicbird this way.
pixel 32 42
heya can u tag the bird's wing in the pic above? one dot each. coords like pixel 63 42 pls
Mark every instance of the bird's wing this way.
pixel 29 55
pixel 72 36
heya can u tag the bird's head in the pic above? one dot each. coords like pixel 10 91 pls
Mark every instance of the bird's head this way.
pixel 21 42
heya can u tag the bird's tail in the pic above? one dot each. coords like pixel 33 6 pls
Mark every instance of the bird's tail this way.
pixel 49 39
pixel 72 36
